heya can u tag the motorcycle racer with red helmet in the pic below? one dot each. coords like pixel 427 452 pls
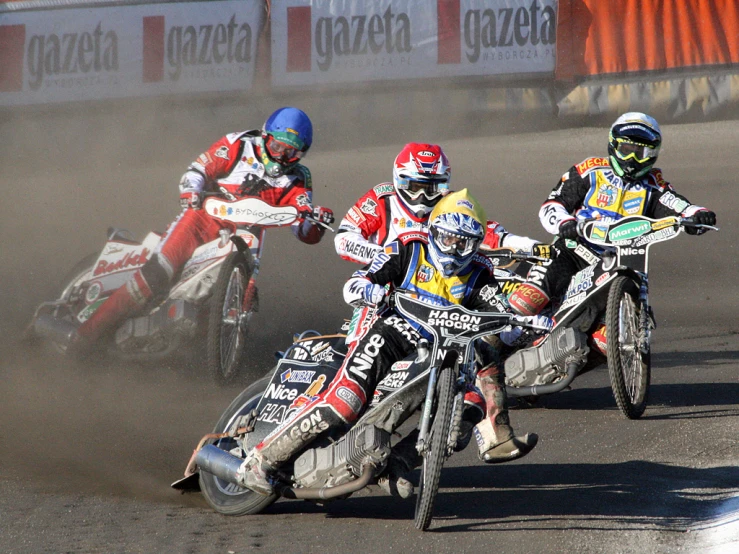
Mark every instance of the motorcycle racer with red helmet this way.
pixel 259 163
pixel 421 178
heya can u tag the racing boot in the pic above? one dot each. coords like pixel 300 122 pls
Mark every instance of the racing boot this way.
pixel 496 440
pixel 128 299
pixel 254 474
pixel 474 411
pixel 403 459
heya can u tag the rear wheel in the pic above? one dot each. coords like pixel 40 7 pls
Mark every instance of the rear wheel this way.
pixel 227 498
pixel 229 318
pixel 629 366
pixel 433 460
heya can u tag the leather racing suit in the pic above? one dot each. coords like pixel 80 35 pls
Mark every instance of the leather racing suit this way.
pixel 592 189
pixel 379 217
pixel 232 165
pixel 391 338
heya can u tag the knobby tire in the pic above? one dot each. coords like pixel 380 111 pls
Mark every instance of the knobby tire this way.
pixel 226 341
pixel 433 461
pixel 629 368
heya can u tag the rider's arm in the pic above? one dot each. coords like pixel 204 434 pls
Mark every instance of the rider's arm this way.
pixel 388 266
pixel 211 165
pixel 564 200
pixel 300 196
pixel 497 237
pixel 665 201
pixel 354 239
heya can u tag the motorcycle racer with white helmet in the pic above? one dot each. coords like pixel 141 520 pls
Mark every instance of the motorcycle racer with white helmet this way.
pixel 623 184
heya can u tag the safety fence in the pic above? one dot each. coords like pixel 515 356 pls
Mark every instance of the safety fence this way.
pixel 563 57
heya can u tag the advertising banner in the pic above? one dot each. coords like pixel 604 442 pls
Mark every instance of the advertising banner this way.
pixel 319 42
pixel 628 36
pixel 89 53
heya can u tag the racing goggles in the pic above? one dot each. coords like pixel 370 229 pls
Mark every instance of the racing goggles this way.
pixel 626 150
pixel 456 245
pixel 430 188
pixel 282 152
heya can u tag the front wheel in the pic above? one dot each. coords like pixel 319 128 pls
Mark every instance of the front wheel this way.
pixel 224 497
pixel 229 317
pixel 433 460
pixel 629 365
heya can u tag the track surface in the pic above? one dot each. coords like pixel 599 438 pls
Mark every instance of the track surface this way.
pixel 88 452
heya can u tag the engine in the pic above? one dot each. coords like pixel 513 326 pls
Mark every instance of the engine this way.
pixel 543 363
pixel 342 461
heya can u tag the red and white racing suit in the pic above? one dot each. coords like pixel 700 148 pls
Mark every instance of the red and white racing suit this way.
pixel 380 217
pixel 233 166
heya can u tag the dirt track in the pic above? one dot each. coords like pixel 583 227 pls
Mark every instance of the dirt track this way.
pixel 88 452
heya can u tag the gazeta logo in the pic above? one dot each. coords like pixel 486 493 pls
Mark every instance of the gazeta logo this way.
pixel 629 230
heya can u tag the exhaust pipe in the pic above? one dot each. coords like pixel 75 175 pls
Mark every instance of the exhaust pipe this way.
pixel 54 329
pixel 219 462
pixel 538 390
pixel 225 466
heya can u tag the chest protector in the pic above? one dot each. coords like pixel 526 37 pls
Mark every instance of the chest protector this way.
pixel 611 198
pixel 430 285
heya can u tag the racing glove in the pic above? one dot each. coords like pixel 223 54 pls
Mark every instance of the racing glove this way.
pixel 324 215
pixel 360 292
pixel 703 217
pixel 190 199
pixel 568 229
pixel 544 251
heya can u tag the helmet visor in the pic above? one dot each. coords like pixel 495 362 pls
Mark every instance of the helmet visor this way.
pixel 430 188
pixel 453 244
pixel 626 150
pixel 282 152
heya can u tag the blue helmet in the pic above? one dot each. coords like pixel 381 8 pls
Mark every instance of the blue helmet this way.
pixel 286 137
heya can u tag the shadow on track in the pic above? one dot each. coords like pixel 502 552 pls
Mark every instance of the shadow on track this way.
pixel 634 495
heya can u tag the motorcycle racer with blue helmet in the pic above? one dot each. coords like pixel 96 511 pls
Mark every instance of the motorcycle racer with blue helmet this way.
pixel 261 163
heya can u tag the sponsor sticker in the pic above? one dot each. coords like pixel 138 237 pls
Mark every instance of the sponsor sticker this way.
pixel 369 207
pixel 629 230
pixel 296 376
pixel 383 190
pixel 222 152
pixel 425 274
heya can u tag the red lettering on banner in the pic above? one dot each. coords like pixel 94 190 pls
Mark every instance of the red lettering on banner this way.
pixel 299 39
pixel 12 48
pixel 153 64
pixel 449 49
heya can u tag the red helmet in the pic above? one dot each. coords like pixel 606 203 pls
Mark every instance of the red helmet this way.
pixel 421 176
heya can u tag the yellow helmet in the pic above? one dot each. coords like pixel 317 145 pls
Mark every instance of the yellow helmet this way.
pixel 456 230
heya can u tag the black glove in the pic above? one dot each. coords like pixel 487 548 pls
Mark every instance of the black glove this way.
pixel 703 217
pixel 568 229
pixel 253 185
pixel 544 251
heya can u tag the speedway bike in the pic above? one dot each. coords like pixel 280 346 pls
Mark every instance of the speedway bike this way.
pixel 613 289
pixel 209 304
pixel 431 383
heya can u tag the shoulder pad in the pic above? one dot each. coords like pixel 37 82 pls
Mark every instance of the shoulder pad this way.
pixel 234 137
pixel 304 174
pixel 591 163
pixel 483 262
pixel 383 189
pixel 406 238
pixel 658 179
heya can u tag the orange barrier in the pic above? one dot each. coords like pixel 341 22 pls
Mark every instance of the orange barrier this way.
pixel 596 37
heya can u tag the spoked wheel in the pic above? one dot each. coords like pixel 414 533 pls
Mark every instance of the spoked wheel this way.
pixel 629 366
pixel 433 460
pixel 229 318
pixel 227 498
